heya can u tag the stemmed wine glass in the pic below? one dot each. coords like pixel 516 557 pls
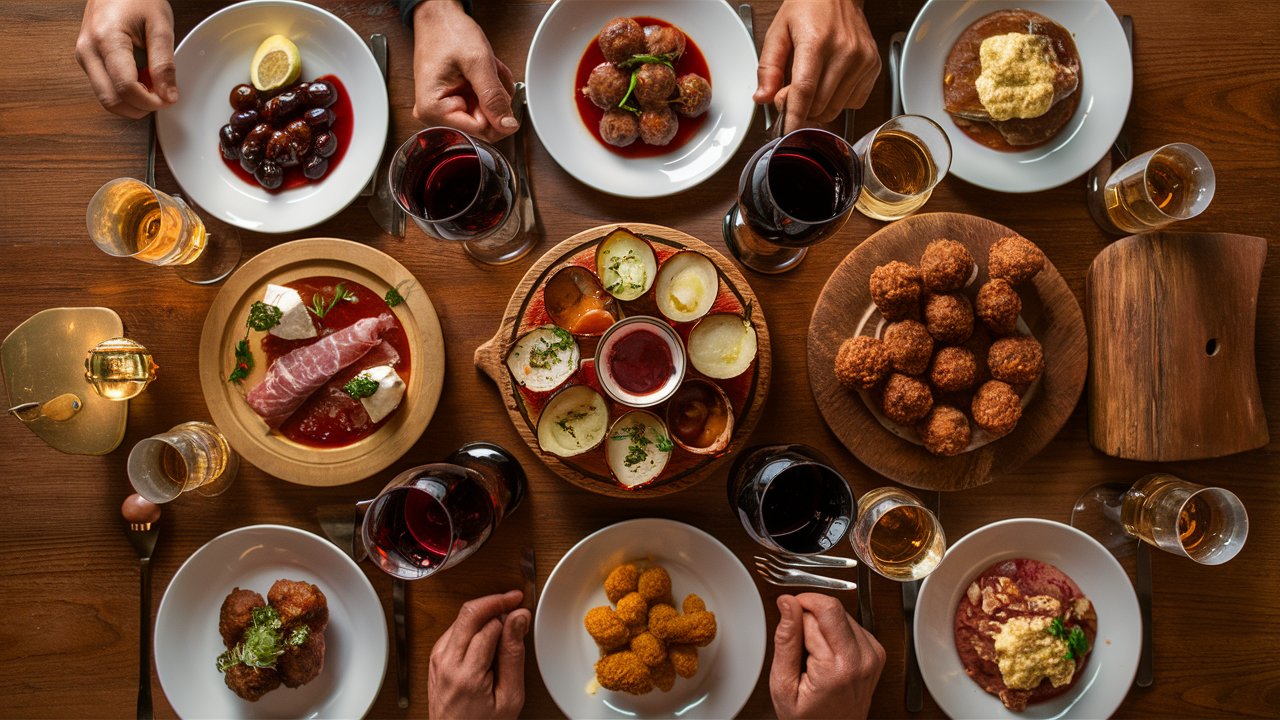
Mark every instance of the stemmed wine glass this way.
pixel 795 191
pixel 456 187
pixel 790 499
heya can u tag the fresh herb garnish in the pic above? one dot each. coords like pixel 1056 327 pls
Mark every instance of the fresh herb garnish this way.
pixel 616 268
pixel 1077 643
pixel 393 297
pixel 665 445
pixel 543 354
pixel 635 60
pixel 566 422
pixel 630 88
pixel 320 308
pixel 637 451
pixel 263 317
pixel 262 642
pixel 244 362
pixel 361 386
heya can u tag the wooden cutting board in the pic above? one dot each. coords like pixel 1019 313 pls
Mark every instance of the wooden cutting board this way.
pixel 1171 346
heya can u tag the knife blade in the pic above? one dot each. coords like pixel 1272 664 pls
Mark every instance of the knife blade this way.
pixel 378 48
pixel 519 99
pixel 745 15
pixel 866 613
pixel 399 589
pixel 1145 674
pixel 1098 174
pixel 529 578
pixel 895 73
pixel 914 683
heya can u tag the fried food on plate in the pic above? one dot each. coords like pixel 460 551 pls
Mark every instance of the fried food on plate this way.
pixel 649 648
pixel 606 628
pixel 633 610
pixel 624 579
pixel 237 614
pixel 299 602
pixel 300 664
pixel 945 266
pixel 273 642
pixel 910 346
pixel 1014 258
pixel 1016 360
pixel 685 660
pixel 624 672
pixel 862 362
pixel 655 585
pixel 251 683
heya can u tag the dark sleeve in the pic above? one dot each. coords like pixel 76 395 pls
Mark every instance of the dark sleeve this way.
pixel 407 6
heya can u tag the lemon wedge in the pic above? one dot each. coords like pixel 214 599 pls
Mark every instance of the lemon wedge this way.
pixel 275 64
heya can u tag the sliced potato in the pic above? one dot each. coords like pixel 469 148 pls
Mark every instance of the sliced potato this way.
pixel 638 448
pixel 544 358
pixel 573 422
pixel 687 286
pixel 722 346
pixel 626 264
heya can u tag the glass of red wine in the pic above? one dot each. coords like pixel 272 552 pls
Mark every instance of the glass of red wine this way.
pixel 456 187
pixel 790 499
pixel 795 191
pixel 434 516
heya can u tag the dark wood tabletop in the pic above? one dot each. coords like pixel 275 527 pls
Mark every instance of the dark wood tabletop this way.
pixel 1205 72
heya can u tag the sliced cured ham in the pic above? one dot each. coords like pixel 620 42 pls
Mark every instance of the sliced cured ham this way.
pixel 292 378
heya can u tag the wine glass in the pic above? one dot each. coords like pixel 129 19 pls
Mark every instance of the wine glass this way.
pixel 1207 524
pixel 456 187
pixel 193 456
pixel 790 499
pixel 903 161
pixel 896 535
pixel 795 191
pixel 434 516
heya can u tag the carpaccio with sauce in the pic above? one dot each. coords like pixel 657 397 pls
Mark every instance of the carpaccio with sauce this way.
pixel 329 417
pixel 1012 628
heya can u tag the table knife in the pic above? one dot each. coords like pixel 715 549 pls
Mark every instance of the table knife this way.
pixel 744 14
pixel 1101 170
pixel 1144 677
pixel 519 101
pixel 378 48
pixel 895 73
pixel 529 578
pixel 398 602
pixel 914 683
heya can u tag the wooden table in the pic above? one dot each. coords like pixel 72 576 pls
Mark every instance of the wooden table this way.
pixel 1206 72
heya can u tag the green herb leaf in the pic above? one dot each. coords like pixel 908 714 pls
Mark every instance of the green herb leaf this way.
pixel 320 309
pixel 299 635
pixel 263 317
pixel 261 644
pixel 544 354
pixel 393 297
pixel 664 444
pixel 244 362
pixel 361 386
pixel 630 88
pixel 566 422
pixel 1077 643
pixel 635 60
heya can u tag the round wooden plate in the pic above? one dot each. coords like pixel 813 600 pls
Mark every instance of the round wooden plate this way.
pixel 224 327
pixel 525 312
pixel 1049 309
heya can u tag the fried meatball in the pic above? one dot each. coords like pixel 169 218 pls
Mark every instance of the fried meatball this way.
pixel 998 306
pixel 945 266
pixel 620 39
pixel 948 317
pixel 895 289
pixel 633 610
pixel 954 369
pixel 606 86
pixel 693 95
pixel 862 362
pixel 649 648
pixel 664 675
pixel 655 83
pixel 621 581
pixel 996 407
pixel 624 672
pixel 658 126
pixel 237 614
pixel 906 399
pixel 910 346
pixel 251 683
pixel 1014 258
pixel 299 602
pixel 685 660
pixel 664 40
pixel 300 664
pixel 606 628
pixel 945 431
pixel 619 127
pixel 693 603
pixel 655 585
pixel 1016 360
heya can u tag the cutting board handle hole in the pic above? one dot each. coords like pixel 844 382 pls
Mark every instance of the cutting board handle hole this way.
pixel 1211 348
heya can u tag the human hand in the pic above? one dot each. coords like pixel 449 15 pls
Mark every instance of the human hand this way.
pixel 457 79
pixel 111 29
pixel 833 60
pixel 477 665
pixel 843 664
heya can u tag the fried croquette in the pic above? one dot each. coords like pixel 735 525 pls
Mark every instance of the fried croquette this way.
pixel 299 602
pixel 251 683
pixel 660 614
pixel 954 369
pixel 633 610
pixel 998 306
pixel 945 431
pixel 948 317
pixel 623 580
pixel 1016 360
pixel 693 603
pixel 300 664
pixel 695 628
pixel 237 614
pixel 655 585
pixel 862 362
pixel 895 289
pixel 910 346
pixel 684 658
pixel 624 672
pixel 946 265
pixel 606 628
pixel 996 407
pixel 906 399
pixel 1014 258
pixel 664 675
pixel 649 648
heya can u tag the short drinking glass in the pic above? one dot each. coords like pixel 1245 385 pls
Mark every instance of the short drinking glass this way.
pixel 1207 524
pixel 902 161
pixel 896 536
pixel 790 499
pixel 191 456
pixel 1162 186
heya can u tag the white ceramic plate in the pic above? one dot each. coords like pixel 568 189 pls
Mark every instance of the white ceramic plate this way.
pixel 698 563
pixel 214 58
pixel 1106 86
pixel 562 37
pixel 187 641
pixel 1110 670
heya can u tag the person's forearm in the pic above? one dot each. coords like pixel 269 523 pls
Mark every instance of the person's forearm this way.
pixel 407 7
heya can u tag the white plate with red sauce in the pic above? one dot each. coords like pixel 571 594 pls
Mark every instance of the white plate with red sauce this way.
pixel 311 454
pixel 1112 663
pixel 567 34
pixel 214 58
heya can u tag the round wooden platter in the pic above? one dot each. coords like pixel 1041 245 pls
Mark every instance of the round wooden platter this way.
pixel 224 326
pixel 1049 310
pixel 525 312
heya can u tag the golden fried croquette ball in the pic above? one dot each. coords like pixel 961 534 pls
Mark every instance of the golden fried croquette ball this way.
pixel 906 399
pixel 954 369
pixel 251 683
pixel 237 614
pixel 998 306
pixel 945 431
pixel 910 346
pixel 299 602
pixel 1014 258
pixel 948 317
pixel 624 672
pixel 664 675
pixel 685 660
pixel 945 266
pixel 862 362
pixel 606 628
pixel 996 407
pixel 895 289
pixel 649 648
pixel 633 610
pixel 623 580
pixel 693 603
pixel 660 614
pixel 695 628
pixel 655 585
pixel 1016 360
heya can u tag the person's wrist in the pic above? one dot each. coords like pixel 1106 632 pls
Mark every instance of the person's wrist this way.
pixel 430 12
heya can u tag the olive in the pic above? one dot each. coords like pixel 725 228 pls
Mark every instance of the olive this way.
pixel 280 151
pixel 244 97
pixel 324 144
pixel 321 94
pixel 315 168
pixel 318 118
pixel 260 134
pixel 229 141
pixel 244 120
pixel 269 175
pixel 299 133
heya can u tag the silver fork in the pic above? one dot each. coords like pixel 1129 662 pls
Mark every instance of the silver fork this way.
pixel 143 538
pixel 778 574
pixel 808 561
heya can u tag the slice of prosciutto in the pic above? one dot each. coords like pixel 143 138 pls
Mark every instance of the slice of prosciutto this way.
pixel 293 377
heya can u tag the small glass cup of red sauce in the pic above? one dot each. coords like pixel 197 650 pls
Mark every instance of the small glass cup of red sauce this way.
pixel 640 361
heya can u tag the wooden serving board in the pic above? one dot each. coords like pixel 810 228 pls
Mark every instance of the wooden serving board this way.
pixel 1171 336
pixel 1049 310
pixel 525 311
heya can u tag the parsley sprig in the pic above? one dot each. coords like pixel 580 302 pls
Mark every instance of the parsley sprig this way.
pixel 638 450
pixel 263 642
pixel 340 293
pixel 544 353
pixel 262 317
pixel 1077 643
pixel 361 386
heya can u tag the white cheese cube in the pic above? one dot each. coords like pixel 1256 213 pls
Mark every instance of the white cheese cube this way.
pixel 295 323
pixel 388 395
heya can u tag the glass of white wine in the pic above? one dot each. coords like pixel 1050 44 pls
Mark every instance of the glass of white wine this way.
pixel 903 161
pixel 1159 187
pixel 896 535
pixel 191 456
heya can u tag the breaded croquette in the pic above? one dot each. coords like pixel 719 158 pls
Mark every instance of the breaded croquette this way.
pixel 695 628
pixel 661 614
pixel 606 628
pixel 655 585
pixel 633 610
pixel 649 648
pixel 299 602
pixel 300 664
pixel 621 581
pixel 664 675
pixel 693 603
pixel 624 672
pixel 685 660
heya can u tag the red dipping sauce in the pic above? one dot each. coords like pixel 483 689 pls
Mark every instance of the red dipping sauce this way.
pixel 692 61
pixel 640 361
